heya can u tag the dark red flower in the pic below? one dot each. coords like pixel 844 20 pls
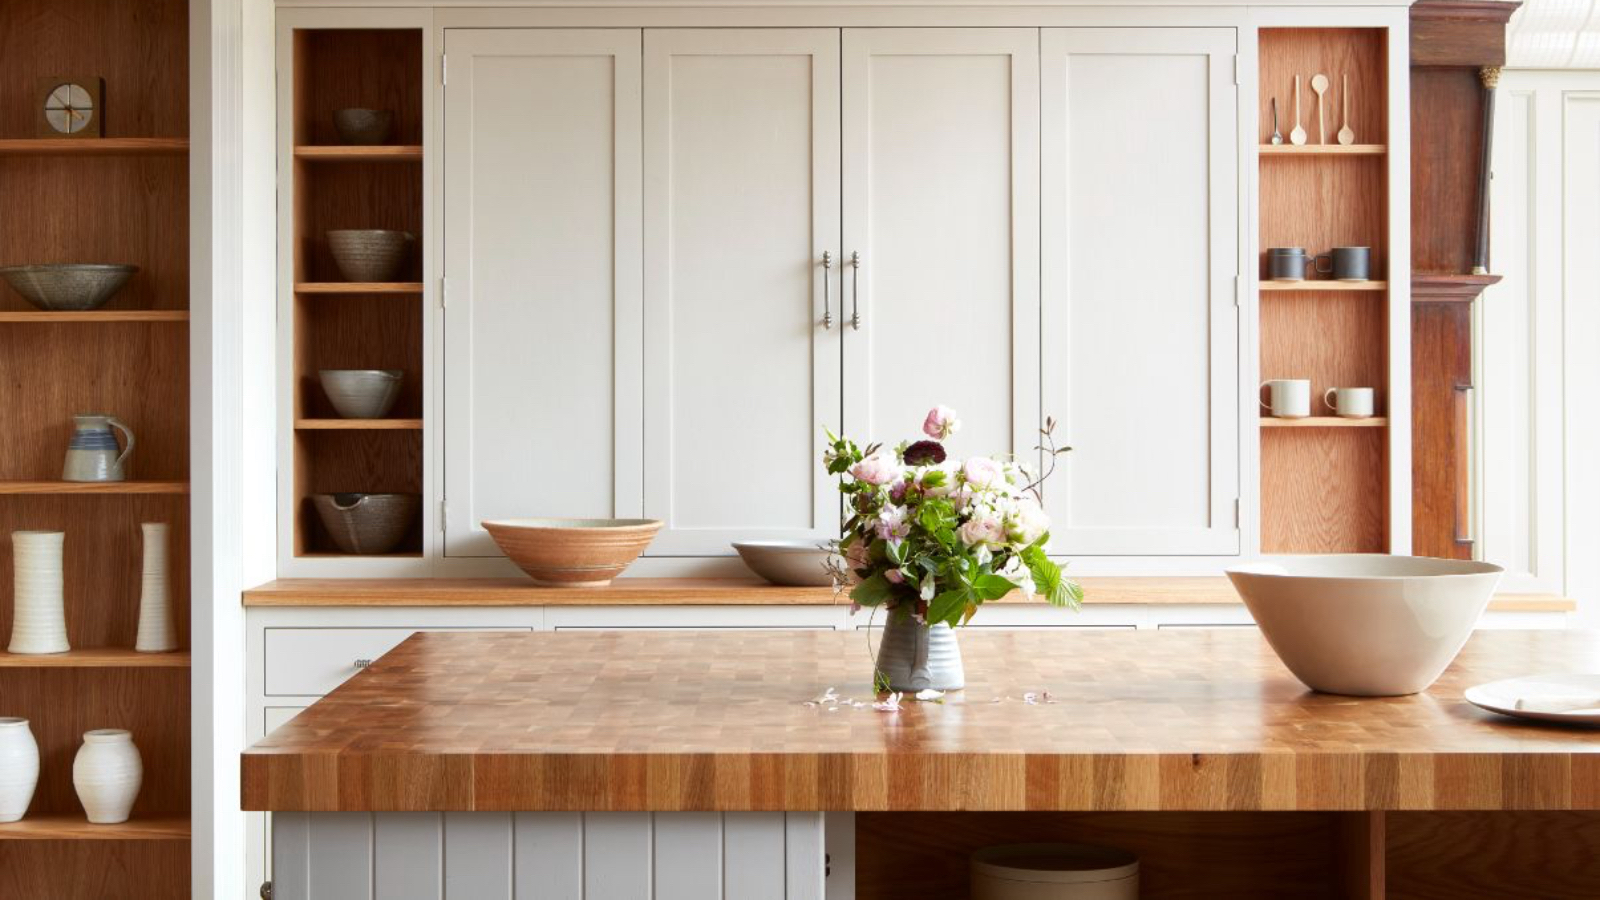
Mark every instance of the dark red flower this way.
pixel 924 453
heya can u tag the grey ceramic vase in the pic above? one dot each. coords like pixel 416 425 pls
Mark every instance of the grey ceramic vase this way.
pixel 916 657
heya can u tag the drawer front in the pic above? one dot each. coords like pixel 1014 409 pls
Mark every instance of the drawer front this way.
pixel 310 662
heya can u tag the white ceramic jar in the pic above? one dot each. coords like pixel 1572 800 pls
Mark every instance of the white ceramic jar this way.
pixel 107 773
pixel 19 767
pixel 1054 872
pixel 38 621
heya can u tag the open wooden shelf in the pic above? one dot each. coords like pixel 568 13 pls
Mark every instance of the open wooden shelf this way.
pixel 1322 150
pixel 63 827
pixel 114 146
pixel 1340 287
pixel 94 487
pixel 1325 422
pixel 358 424
pixel 96 315
pixel 358 287
pixel 382 153
pixel 96 658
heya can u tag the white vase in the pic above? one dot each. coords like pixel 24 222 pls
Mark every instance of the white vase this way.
pixel 19 768
pixel 39 620
pixel 157 632
pixel 107 773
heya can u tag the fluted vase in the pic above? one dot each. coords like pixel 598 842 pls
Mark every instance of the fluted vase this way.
pixel 107 773
pixel 39 619
pixel 157 631
pixel 916 657
pixel 19 768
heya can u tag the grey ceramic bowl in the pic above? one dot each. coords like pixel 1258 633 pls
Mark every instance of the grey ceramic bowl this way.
pixel 788 563
pixel 369 254
pixel 363 127
pixel 69 287
pixel 362 393
pixel 367 523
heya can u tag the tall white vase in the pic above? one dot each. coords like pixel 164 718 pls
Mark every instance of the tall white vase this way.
pixel 19 768
pixel 39 619
pixel 107 773
pixel 157 632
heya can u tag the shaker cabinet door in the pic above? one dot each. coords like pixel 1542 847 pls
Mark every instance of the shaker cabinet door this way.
pixel 941 233
pixel 543 320
pixel 1140 258
pixel 742 322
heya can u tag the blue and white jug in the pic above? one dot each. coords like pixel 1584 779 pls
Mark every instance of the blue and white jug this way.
pixel 93 454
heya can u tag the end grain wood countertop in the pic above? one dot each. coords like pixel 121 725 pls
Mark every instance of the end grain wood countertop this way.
pixel 1149 720
pixel 1099 589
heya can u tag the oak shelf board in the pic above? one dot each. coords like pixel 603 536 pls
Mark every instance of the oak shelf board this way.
pixel 358 287
pixel 1325 422
pixel 1267 150
pixel 380 153
pixel 358 424
pixel 95 315
pixel 94 487
pixel 96 658
pixel 1322 286
pixel 74 827
pixel 126 146
pixel 626 591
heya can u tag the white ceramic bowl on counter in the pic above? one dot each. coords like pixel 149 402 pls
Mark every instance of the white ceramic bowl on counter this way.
pixel 788 563
pixel 1368 625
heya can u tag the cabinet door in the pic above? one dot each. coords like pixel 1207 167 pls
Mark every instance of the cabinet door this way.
pixel 941 167
pixel 542 261
pixel 741 136
pixel 1141 254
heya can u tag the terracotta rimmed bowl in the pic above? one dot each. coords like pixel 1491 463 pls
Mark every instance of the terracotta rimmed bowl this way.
pixel 573 552
pixel 1366 625
pixel 789 563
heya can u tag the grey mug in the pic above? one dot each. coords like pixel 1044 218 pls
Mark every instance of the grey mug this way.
pixel 1287 263
pixel 1352 263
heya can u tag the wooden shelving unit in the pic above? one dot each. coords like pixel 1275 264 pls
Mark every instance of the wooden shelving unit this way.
pixel 121 198
pixel 346 325
pixel 1324 480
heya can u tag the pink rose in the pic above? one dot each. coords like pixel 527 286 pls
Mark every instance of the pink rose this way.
pixel 984 532
pixel 879 468
pixel 982 472
pixel 940 423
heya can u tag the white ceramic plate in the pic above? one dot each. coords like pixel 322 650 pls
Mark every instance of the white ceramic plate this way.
pixel 1549 698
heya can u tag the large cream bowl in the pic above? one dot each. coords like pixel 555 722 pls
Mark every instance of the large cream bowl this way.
pixel 1366 624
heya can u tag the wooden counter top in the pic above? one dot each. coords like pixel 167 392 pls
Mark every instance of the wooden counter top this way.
pixel 724 592
pixel 1144 720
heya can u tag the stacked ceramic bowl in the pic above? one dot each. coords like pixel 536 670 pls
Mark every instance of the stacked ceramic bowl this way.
pixel 369 254
pixel 362 393
pixel 68 287
pixel 363 127
pixel 367 523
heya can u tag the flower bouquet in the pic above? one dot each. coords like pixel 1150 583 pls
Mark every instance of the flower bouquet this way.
pixel 931 539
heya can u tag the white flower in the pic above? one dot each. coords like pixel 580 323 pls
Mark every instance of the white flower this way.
pixel 1018 574
pixel 890 703
pixel 941 487
pixel 983 473
pixel 880 468
pixel 1027 521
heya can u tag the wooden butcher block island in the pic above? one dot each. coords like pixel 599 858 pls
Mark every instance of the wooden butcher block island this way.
pixel 1177 745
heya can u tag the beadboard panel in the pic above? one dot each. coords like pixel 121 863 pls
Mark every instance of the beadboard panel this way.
pixel 548 856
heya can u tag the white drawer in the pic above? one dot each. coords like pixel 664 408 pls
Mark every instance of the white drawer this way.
pixel 310 662
pixel 274 716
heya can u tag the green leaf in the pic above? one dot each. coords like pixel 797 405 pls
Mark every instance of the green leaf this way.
pixel 1047 578
pixel 991 587
pixel 946 607
pixel 896 552
pixel 874 591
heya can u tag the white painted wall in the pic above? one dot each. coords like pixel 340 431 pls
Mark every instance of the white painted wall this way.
pixel 1536 338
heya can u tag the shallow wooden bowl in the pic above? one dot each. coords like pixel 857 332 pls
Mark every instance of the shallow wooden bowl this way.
pixel 573 552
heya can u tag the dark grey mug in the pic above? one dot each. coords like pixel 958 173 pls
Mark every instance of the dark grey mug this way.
pixel 1287 263
pixel 1352 263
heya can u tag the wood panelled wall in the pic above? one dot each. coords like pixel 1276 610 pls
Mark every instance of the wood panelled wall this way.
pixel 1451 42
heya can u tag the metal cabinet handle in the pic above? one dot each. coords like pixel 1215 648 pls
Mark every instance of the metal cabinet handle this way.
pixel 855 291
pixel 827 277
pixel 362 663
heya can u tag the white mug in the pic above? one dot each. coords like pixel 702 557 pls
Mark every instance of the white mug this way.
pixel 1349 403
pixel 1291 398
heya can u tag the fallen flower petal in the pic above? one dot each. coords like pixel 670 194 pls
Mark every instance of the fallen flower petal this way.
pixel 889 704
pixel 929 694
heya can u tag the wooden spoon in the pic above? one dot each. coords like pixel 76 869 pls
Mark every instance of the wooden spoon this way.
pixel 1319 83
pixel 1346 136
pixel 1298 135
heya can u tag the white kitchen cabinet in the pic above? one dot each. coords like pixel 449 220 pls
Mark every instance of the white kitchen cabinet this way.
pixel 543 340
pixel 1140 263
pixel 941 233
pixel 741 202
